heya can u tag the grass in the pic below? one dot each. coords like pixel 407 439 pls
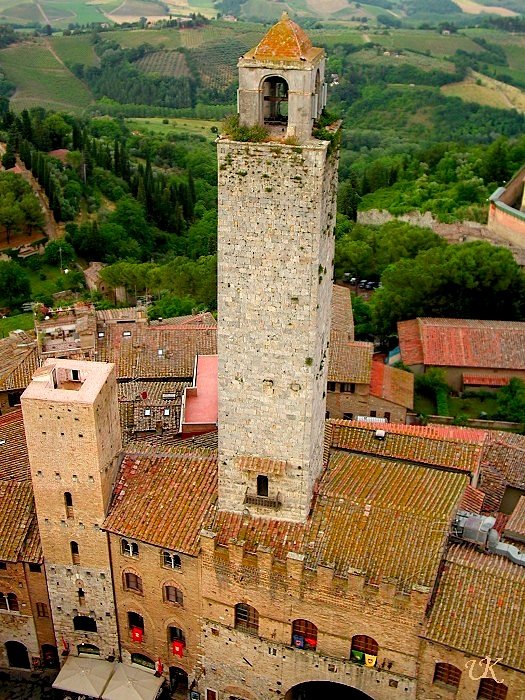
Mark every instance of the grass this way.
pixel 196 127
pixel 170 63
pixel 424 405
pixel 487 91
pixel 42 80
pixel 46 286
pixel 472 407
pixel 77 49
pixel 23 322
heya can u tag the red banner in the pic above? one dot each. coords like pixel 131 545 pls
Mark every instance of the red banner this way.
pixel 177 648
pixel 137 634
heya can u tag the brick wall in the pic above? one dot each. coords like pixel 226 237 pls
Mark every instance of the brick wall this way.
pixel 17 626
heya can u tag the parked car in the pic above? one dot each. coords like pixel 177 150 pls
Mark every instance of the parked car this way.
pixel 362 284
pixel 353 280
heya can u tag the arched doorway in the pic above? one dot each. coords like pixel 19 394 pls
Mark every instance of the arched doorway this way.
pixel 50 656
pixel 318 690
pixel 178 681
pixel 17 655
pixel 275 101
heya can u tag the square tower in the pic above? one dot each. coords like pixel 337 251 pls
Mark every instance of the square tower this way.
pixel 72 426
pixel 277 208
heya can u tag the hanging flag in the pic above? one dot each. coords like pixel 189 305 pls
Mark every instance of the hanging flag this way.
pixel 65 644
pixel 370 660
pixel 357 656
pixel 144 394
pixel 137 634
pixel 298 641
pixel 159 668
pixel 177 648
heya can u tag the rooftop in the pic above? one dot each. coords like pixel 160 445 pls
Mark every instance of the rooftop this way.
pixel 18 360
pixel 14 460
pixel 478 595
pixel 443 447
pixel 285 41
pixel 392 384
pixel 342 320
pixel 200 404
pixel 452 342
pixel 17 521
pixel 68 380
pixel 349 360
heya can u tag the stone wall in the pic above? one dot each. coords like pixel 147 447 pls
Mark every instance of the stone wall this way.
pixel 17 626
pixel 275 258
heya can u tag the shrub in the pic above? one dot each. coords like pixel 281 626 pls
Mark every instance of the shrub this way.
pixel 235 131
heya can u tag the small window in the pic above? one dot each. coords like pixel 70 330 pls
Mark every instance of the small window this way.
pixel 84 623
pixel 132 582
pixel 347 388
pixel 135 621
pixel 101 334
pixel 68 502
pixel 387 416
pixel 327 415
pixel 348 416
pixel 331 386
pixel 362 647
pixel 3 565
pixel 42 610
pixel 126 334
pixel 173 595
pixel 166 411
pixel 373 414
pixel 129 549
pixel 170 560
pixel 489 689
pixel 35 568
pixel 447 674
pixel 211 694
pixel 147 411
pixel 75 375
pixel 304 635
pixel 160 352
pixel 9 602
pixel 246 618
pixel 75 556
pixel 262 485
pixel 176 635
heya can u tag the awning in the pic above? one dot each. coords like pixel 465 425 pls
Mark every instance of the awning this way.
pixel 84 676
pixel 131 683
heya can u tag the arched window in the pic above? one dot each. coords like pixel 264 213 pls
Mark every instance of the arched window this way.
pixel 135 620
pixel 246 618
pixel 175 634
pixel 68 502
pixel 171 560
pixel 489 689
pixel 90 649
pixel 84 623
pixel 17 655
pixel 50 656
pixel 262 485
pixel 173 595
pixel 75 556
pixel 364 650
pixel 275 101
pixel 129 549
pixel 9 601
pixel 447 674
pixel 142 660
pixel 132 582
pixel 304 634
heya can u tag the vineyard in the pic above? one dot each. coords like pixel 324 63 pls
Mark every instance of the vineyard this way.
pixel 138 8
pixel 80 50
pixel 169 63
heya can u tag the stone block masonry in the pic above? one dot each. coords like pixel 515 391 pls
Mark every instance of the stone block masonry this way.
pixel 277 208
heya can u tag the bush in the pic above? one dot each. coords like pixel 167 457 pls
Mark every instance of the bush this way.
pixel 442 401
pixel 233 130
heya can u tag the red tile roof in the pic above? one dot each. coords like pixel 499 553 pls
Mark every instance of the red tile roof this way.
pixel 342 318
pixel 349 360
pixel 515 527
pixel 428 445
pixel 163 500
pixel 392 384
pixel 472 500
pixel 17 512
pixel 452 342
pixel 486 379
pixel 370 516
pixel 14 460
pixel 505 453
pixel 479 596
pixel 285 41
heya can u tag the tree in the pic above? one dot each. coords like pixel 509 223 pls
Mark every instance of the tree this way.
pixel 511 401
pixel 14 284
pixel 59 253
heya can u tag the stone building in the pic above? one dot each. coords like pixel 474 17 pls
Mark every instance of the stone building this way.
pixel 71 419
pixel 507 210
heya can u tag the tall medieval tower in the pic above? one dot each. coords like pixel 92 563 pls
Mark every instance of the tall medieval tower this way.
pixel 73 437
pixel 277 207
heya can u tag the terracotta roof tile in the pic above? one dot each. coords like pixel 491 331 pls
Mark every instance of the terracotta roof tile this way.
pixel 392 384
pixel 31 551
pixel 421 444
pixel 164 500
pixel 478 595
pixel 261 465
pixel 505 453
pixel 349 360
pixel 370 516
pixel 16 517
pixel 452 342
pixel 285 41
pixel 342 318
pixel 486 379
pixel 515 528
pixel 472 500
pixel 14 460
pixel 18 360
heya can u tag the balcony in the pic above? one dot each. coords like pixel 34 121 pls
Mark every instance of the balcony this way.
pixel 253 499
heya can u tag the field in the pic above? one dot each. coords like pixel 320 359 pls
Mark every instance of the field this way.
pixel 487 91
pixel 195 127
pixel 425 63
pixel 41 79
pixel 171 63
pixel 24 322
pixel 75 50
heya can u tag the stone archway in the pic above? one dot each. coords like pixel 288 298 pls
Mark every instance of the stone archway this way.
pixel 318 690
pixel 17 655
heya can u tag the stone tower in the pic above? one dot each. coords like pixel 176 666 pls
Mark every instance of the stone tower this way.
pixel 277 207
pixel 73 437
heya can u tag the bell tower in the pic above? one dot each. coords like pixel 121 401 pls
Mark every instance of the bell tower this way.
pixel 277 207
pixel 281 82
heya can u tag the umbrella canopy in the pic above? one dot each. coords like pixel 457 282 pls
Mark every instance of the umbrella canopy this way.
pixel 131 683
pixel 84 676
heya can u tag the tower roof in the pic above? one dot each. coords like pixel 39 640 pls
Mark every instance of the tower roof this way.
pixel 285 41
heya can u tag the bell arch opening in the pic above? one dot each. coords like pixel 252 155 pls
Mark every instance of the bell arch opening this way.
pixel 275 101
pixel 314 690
